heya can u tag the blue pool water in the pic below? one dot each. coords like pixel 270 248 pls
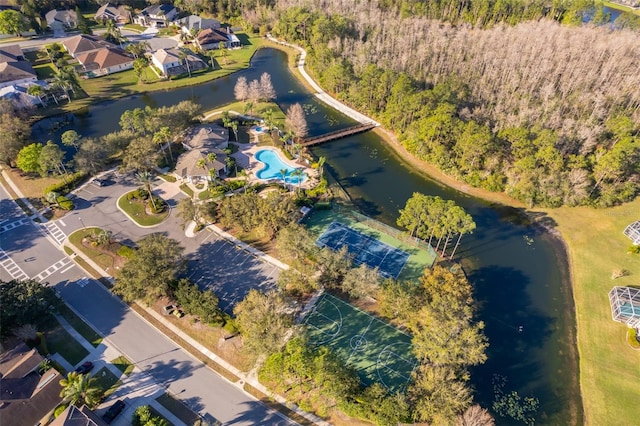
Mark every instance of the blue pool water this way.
pixel 259 129
pixel 273 165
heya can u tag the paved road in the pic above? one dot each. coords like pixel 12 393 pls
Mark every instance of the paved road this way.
pixel 29 249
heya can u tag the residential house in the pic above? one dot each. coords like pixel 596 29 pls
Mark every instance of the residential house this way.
pixel 84 43
pixel 166 60
pixel 9 4
pixel 14 69
pixel 74 416
pixel 211 38
pixel 199 142
pixel 26 396
pixel 118 14
pixel 193 24
pixel 61 20
pixel 105 61
pixel 169 63
pixel 18 94
pixel 157 15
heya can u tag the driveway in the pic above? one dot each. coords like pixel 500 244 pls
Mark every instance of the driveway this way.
pixel 150 37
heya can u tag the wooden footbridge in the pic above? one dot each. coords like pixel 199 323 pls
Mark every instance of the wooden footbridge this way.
pixel 338 134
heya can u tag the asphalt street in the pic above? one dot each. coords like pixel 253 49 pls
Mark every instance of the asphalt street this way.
pixel 33 250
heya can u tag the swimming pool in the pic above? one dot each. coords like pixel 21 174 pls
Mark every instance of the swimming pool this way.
pixel 273 166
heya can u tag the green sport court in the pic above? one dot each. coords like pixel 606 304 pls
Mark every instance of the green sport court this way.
pixel 421 255
pixel 378 352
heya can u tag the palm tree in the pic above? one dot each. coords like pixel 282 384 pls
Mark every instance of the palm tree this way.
pixel 298 174
pixel 79 389
pixel 146 178
pixel 283 172
pixel 222 47
pixel 163 136
pixel 234 126
pixel 38 91
pixel 104 237
pixel 211 54
pixel 138 49
pixel 321 162
pixel 52 197
pixel 184 57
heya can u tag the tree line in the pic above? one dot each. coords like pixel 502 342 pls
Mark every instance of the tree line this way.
pixel 539 118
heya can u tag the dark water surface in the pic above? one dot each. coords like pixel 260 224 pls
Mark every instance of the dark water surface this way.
pixel 519 273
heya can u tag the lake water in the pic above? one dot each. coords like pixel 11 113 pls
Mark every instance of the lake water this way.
pixel 519 273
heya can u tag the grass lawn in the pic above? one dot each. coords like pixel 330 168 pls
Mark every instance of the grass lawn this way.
pixel 134 27
pixel 123 364
pixel 31 186
pixel 609 368
pixel 80 326
pixel 61 342
pixel 259 110
pixel 105 261
pixel 44 71
pixel 107 381
pixel 136 211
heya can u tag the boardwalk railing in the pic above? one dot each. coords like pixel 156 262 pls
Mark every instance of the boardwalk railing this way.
pixel 338 134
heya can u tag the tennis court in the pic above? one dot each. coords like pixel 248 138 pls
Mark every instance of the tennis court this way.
pixel 378 352
pixel 364 249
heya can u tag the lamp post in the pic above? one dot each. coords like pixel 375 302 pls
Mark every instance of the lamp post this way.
pixel 82 222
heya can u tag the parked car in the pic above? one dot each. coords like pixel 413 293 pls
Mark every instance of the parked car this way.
pixel 84 368
pixel 113 411
pixel 98 182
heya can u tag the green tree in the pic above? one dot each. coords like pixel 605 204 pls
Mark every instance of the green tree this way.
pixel 439 394
pixel 139 67
pixel 71 138
pixel 93 155
pixel 15 130
pixel 163 137
pixel 189 210
pixel 222 47
pixel 361 282
pixel 80 389
pixel 23 302
pixel 83 23
pixel 263 321
pixel 201 303
pixel 143 417
pixel 141 155
pixel 51 158
pixel 149 272
pixel 37 91
pixel 13 22
pixel 444 333
pixel 414 217
pixel 29 158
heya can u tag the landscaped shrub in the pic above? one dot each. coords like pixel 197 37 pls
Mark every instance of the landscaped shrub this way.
pixel 65 186
pixel 141 194
pixel 632 338
pixel 65 203
pixel 125 251
pixel 59 409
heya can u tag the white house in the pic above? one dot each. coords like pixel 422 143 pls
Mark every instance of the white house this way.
pixel 157 15
pixel 105 61
pixel 165 60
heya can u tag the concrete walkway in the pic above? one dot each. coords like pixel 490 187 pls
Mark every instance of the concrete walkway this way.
pixel 320 93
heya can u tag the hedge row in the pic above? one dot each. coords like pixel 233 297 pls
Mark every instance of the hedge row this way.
pixel 67 185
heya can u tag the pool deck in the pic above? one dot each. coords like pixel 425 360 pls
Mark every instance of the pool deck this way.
pixel 245 157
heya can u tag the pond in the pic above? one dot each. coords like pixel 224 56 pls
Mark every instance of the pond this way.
pixel 520 274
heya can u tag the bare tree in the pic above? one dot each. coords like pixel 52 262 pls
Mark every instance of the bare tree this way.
pixel 241 89
pixel 254 94
pixel 296 120
pixel 475 416
pixel 266 87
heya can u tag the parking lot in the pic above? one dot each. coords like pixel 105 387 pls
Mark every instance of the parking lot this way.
pixel 229 271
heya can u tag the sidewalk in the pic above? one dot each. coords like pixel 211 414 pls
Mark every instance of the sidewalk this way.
pixel 320 93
